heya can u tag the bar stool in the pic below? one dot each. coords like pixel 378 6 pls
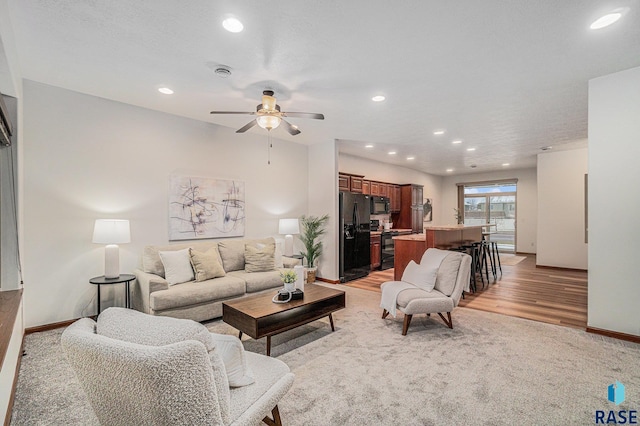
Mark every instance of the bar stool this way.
pixel 472 278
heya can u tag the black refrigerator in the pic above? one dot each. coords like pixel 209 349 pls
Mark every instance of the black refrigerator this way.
pixel 355 241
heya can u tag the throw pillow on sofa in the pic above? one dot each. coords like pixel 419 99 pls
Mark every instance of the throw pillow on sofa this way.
pixel 207 265
pixel 259 259
pixel 177 266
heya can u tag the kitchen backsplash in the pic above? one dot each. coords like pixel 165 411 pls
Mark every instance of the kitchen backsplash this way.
pixel 383 218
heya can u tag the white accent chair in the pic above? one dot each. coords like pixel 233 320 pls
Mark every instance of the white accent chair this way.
pixel 452 279
pixel 146 370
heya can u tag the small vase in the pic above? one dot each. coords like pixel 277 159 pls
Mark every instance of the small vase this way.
pixel 289 286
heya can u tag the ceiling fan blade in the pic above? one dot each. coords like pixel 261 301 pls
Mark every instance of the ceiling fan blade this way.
pixel 247 126
pixel 293 130
pixel 233 112
pixel 304 115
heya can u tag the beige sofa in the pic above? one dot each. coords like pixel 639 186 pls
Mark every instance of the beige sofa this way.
pixel 202 300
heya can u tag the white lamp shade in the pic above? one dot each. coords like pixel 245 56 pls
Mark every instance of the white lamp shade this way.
pixel 289 226
pixel 111 231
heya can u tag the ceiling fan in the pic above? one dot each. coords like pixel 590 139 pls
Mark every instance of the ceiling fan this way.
pixel 269 115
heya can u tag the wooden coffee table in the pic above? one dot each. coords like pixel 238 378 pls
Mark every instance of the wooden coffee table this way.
pixel 258 316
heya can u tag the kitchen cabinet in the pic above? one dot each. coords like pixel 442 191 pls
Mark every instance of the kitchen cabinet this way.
pixel 411 209
pixel 344 182
pixel 375 251
pixel 375 188
pixel 384 189
pixel 356 184
pixel 366 187
pixel 394 198
pixel 350 183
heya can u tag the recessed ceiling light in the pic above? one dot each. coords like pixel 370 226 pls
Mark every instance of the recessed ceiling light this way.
pixel 222 72
pixel 606 20
pixel 165 90
pixel 456 142
pixel 232 25
pixel 411 158
pixel 438 132
pixel 392 153
pixel 378 98
pixel 368 146
pixel 471 149
pixel 449 170
pixel 505 164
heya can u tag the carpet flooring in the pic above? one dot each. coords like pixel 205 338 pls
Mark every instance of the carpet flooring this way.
pixel 490 369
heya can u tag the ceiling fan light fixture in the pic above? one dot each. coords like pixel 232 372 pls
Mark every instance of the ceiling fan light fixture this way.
pixel 268 103
pixel 268 122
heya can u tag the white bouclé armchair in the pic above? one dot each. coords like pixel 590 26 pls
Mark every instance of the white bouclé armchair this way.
pixel 146 370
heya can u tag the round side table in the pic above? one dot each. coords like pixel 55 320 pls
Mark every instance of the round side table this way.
pixel 123 278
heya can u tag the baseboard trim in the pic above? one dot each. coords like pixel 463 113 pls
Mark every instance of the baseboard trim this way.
pixel 47 327
pixel 524 253
pixel 614 334
pixel 325 280
pixel 12 397
pixel 559 268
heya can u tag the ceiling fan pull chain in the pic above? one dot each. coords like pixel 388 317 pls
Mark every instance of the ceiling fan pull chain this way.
pixel 269 148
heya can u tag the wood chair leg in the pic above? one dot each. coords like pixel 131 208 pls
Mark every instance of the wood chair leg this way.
pixel 276 421
pixel 449 322
pixel 384 313
pixel 405 324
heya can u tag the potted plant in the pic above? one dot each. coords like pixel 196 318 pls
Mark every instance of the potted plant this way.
pixel 288 279
pixel 313 228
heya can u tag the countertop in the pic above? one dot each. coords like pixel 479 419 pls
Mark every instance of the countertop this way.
pixel 452 227
pixel 423 237
pixel 411 237
pixel 400 230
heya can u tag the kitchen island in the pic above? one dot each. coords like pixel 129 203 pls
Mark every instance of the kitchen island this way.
pixel 412 247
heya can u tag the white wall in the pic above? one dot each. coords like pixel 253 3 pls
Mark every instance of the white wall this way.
pixel 561 209
pixel 527 199
pixel 323 199
pixel 614 231
pixel 87 158
pixel 374 170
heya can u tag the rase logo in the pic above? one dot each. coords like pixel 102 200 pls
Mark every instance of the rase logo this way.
pixel 615 394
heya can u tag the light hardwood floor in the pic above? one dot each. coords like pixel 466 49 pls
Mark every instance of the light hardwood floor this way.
pixel 555 296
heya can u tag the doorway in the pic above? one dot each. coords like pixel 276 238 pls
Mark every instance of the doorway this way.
pixel 493 205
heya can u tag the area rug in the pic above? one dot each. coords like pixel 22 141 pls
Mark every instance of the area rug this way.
pixel 490 369
pixel 511 260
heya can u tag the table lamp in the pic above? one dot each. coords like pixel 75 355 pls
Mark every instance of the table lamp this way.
pixel 288 227
pixel 111 232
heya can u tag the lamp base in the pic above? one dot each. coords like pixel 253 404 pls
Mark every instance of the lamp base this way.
pixel 288 245
pixel 111 261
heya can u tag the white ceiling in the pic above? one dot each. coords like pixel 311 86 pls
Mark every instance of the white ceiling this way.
pixel 505 77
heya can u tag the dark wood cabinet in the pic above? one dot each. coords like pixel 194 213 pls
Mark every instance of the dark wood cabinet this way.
pixel 376 245
pixel 350 183
pixel 411 208
pixel 366 187
pixel 375 188
pixel 356 184
pixel 384 189
pixel 394 197
pixel 343 182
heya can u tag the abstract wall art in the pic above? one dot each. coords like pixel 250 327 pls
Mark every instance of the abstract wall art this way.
pixel 201 207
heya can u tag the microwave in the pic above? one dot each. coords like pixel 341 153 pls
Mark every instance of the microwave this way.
pixel 379 205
